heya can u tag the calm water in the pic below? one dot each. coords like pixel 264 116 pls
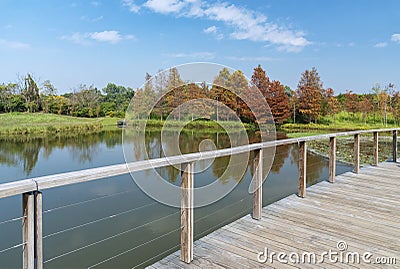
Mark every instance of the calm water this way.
pixel 111 223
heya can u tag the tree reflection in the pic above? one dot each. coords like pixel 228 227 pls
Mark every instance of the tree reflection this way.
pixel 25 151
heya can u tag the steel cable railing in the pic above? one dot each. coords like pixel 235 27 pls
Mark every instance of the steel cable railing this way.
pixel 108 238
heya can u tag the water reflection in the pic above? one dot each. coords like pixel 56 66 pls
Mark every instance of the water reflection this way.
pixel 24 151
pixel 83 203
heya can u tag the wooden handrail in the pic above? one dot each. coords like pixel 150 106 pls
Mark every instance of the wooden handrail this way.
pixel 32 196
pixel 63 179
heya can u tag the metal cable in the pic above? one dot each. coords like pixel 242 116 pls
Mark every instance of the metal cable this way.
pixel 158 255
pixel 107 238
pixel 11 220
pixel 223 224
pixel 87 201
pixel 131 249
pixel 241 200
pixel 16 246
pixel 98 220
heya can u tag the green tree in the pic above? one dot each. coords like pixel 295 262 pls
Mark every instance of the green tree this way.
pixel 116 100
pixel 47 92
pixel 7 92
pixel 30 91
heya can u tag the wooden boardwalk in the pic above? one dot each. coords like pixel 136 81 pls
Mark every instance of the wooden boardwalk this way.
pixel 361 211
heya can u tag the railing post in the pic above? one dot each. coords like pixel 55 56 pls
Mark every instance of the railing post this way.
pixel 187 213
pixel 302 168
pixel 395 145
pixel 258 180
pixel 39 230
pixel 356 153
pixel 32 250
pixel 28 230
pixel 332 159
pixel 376 149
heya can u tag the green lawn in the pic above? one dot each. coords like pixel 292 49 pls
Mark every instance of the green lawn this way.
pixel 41 123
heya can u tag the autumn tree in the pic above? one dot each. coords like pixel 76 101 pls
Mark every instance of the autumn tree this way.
pixel 309 92
pixel 396 107
pixel 351 104
pixel 137 105
pixel 330 105
pixel 383 98
pixel 293 103
pixel 160 89
pixel 259 81
pixel 365 107
pixel 176 91
pixel 221 91
pixel 149 96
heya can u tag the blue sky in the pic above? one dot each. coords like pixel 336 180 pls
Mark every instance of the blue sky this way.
pixel 353 44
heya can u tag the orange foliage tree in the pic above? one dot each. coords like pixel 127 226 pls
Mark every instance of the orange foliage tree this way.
pixel 309 92
pixel 274 93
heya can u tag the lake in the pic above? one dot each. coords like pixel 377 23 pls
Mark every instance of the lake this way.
pixel 111 223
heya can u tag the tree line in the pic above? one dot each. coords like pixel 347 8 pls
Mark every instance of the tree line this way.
pixel 162 95
pixel 26 95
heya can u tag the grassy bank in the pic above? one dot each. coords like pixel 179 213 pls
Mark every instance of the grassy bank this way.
pixel 44 124
pixel 41 124
pixel 301 129
pixel 192 125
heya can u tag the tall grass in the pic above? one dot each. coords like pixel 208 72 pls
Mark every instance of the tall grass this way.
pixel 41 124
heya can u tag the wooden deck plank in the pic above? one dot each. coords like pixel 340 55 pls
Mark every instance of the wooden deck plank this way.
pixel 361 209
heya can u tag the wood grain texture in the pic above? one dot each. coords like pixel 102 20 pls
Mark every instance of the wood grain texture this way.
pixel 258 181
pixel 38 230
pixel 363 213
pixel 302 169
pixel 187 213
pixel 332 159
pixel 28 230
pixel 395 145
pixel 376 148
pixel 356 153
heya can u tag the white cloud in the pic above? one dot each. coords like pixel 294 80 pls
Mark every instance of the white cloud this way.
pixel 245 24
pixel 131 5
pixel 13 44
pixel 213 30
pixel 165 6
pixel 203 55
pixel 210 30
pixel 112 37
pixel 380 45
pixel 107 36
pixel 95 3
pixel 396 38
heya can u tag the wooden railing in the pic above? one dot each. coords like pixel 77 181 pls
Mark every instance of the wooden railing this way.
pixel 31 189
